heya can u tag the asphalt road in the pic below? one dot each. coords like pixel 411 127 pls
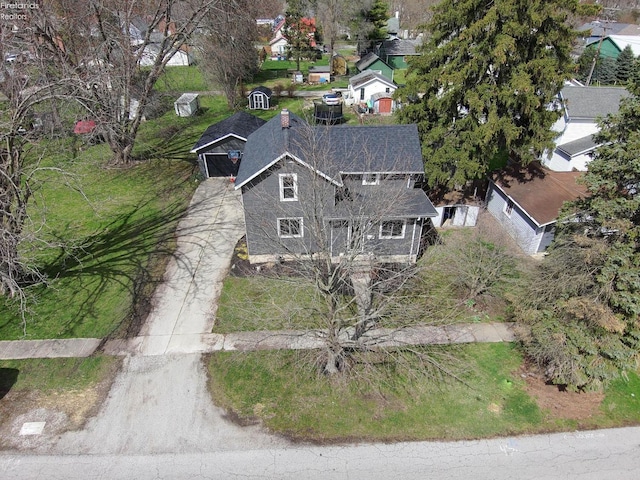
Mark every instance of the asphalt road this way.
pixel 599 455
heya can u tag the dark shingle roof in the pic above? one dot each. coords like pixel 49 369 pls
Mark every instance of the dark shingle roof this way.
pixel 266 90
pixel 366 61
pixel 241 124
pixel 339 149
pixel 575 147
pixel 592 102
pixel 389 202
pixel 398 46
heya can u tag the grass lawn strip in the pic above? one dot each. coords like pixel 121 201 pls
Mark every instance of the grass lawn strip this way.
pixel 284 392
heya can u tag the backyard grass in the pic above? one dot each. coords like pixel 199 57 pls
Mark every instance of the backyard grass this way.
pixel 183 79
pixel 284 392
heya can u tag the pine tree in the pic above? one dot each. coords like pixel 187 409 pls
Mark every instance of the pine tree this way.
pixel 488 74
pixel 586 329
pixel 624 64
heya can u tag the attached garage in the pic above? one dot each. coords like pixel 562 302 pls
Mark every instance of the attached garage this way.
pixel 220 147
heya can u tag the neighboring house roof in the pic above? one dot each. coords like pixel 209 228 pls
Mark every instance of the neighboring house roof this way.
pixel 621 41
pixel 577 147
pixel 240 125
pixel 344 149
pixel 369 76
pixel 261 89
pixel 626 29
pixel 539 192
pixel 369 59
pixel 398 46
pixel 602 29
pixel 589 103
pixel 393 25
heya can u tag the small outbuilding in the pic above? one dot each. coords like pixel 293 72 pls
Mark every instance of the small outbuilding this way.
pixel 187 105
pixel 319 74
pixel 220 147
pixel 260 98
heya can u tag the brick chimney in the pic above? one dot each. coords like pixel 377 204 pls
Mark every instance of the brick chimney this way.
pixel 284 118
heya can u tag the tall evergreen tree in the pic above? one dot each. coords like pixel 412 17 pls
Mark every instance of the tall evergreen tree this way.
pixel 586 328
pixel 624 64
pixel 488 74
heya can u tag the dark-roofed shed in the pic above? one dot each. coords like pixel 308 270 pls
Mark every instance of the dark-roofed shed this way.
pixel 220 147
pixel 260 98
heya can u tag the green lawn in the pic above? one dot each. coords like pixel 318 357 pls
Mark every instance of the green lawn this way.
pixel 284 391
pixel 183 79
pixel 54 374
pixel 101 236
pixel 258 303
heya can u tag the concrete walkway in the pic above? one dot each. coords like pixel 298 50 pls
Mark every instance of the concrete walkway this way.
pixel 244 341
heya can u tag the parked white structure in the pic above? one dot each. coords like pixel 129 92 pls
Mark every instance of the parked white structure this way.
pixel 187 105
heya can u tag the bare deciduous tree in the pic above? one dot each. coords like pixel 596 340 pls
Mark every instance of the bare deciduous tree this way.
pixel 24 92
pixel 227 52
pixel 103 43
pixel 340 240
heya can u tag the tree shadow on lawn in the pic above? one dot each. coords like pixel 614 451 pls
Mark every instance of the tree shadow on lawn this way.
pixel 131 252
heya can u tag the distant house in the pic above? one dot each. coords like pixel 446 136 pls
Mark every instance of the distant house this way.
pixel 149 54
pixel 353 187
pixel 526 202
pixel 582 107
pixel 279 43
pixel 374 63
pixel 260 98
pixel 220 147
pixel 612 45
pixel 395 52
pixel 374 90
pixel 594 31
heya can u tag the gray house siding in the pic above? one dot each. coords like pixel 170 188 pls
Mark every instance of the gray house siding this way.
pixel 342 232
pixel 518 224
pixel 263 207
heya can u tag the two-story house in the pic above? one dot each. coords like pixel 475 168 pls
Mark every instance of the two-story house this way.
pixel 311 191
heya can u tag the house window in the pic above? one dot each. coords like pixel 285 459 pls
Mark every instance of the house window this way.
pixel 508 208
pixel 371 179
pixel 392 229
pixel 361 94
pixel 290 227
pixel 387 90
pixel 288 187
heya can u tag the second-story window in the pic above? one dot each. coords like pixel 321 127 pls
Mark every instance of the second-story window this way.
pixel 288 187
pixel 371 179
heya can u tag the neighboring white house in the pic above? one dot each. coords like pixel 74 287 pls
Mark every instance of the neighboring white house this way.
pixel 278 46
pixel 526 202
pixel 373 89
pixel 583 106
pixel 150 52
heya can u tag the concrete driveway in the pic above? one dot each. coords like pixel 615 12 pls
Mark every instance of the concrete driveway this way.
pixel 160 402
pixel 184 305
